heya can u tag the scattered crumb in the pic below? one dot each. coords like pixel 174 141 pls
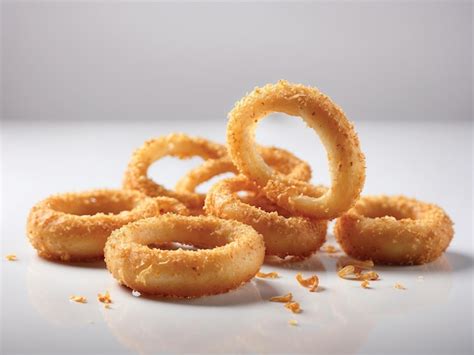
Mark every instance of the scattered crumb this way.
pixel 311 282
pixel 285 298
pixel 78 299
pixel 346 271
pixel 360 264
pixel 370 275
pixel 365 284
pixel 293 322
pixel 136 293
pixel 330 249
pixel 11 257
pixel 356 271
pixel 399 286
pixel 293 306
pixel 107 305
pixel 104 298
pixel 269 275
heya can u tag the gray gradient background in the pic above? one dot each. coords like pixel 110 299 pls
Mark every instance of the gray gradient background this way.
pixel 111 60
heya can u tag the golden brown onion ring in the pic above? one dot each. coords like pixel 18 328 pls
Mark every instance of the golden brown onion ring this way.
pixel 394 230
pixel 75 226
pixel 176 145
pixel 279 159
pixel 346 161
pixel 231 254
pixel 284 235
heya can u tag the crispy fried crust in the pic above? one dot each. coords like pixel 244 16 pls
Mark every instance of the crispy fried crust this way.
pixel 284 235
pixel 279 159
pixel 75 226
pixel 176 145
pixel 231 254
pixel 346 161
pixel 394 230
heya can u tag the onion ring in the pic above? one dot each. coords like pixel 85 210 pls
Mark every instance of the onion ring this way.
pixel 283 235
pixel 176 145
pixel 75 226
pixel 279 159
pixel 236 255
pixel 394 230
pixel 346 161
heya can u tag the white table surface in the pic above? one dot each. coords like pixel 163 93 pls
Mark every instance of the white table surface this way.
pixel 429 161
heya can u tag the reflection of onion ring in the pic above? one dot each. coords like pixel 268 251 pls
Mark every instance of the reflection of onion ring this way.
pixel 347 163
pixel 176 145
pixel 279 159
pixel 284 236
pixel 394 230
pixel 75 226
pixel 236 255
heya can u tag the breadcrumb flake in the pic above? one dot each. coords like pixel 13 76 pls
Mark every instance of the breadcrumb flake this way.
pixel 269 275
pixel 11 257
pixel 78 299
pixel 285 298
pixel 371 275
pixel 104 297
pixel 293 322
pixel 365 284
pixel 360 264
pixel 311 283
pixel 346 271
pixel 136 293
pixel 399 286
pixel 293 306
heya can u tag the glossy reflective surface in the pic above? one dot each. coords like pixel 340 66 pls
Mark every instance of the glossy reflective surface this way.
pixel 432 315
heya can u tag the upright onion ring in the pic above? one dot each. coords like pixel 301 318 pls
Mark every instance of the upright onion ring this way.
pixel 346 161
pixel 283 235
pixel 176 145
pixel 279 159
pixel 394 230
pixel 75 226
pixel 232 254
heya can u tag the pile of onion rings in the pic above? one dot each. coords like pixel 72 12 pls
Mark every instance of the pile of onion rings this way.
pixel 269 207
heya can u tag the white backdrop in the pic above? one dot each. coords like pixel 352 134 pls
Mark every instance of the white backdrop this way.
pixel 63 60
